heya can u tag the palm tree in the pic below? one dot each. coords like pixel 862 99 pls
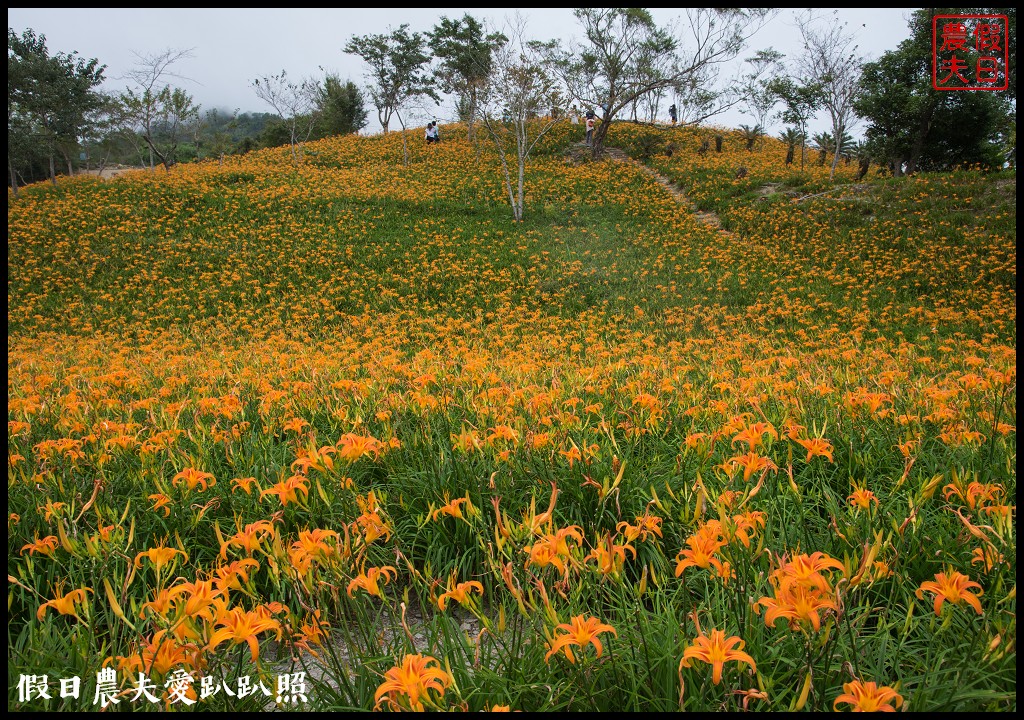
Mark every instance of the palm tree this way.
pixel 792 137
pixel 861 151
pixel 823 141
pixel 751 135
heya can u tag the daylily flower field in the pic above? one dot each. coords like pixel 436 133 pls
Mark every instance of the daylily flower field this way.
pixel 348 425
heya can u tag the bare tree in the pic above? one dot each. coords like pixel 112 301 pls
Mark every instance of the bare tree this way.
pixel 830 60
pixel 158 111
pixel 295 103
pixel 755 85
pixel 519 87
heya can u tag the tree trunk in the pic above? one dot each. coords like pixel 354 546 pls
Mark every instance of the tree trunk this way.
pixel 14 176
pixel 522 176
pixel 922 134
pixel 863 170
pixel 472 113
pixel 597 142
pixel 53 170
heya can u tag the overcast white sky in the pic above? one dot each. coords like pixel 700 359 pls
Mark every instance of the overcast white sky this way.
pixel 234 46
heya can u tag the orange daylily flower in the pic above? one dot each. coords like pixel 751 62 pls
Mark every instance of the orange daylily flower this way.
pixel 250 538
pixel 753 434
pixel 370 523
pixel 646 524
pixel 287 490
pixel 311 545
pixel 861 499
pixel 312 632
pixel 46 546
pixel 869 697
pixel 161 653
pixel 798 604
pixel 817 446
pixel 317 459
pixel 716 650
pixel 161 502
pixel 64 604
pixel 703 545
pixel 806 570
pixel 50 509
pixel 369 580
pixel 976 495
pixel 952 586
pixel 459 593
pixel 553 548
pixel 609 556
pixel 502 432
pixel 751 462
pixel 739 527
pixel 579 631
pixel 161 604
pixel 227 576
pixel 200 597
pixel 406 686
pixel 452 508
pixel 352 447
pixel 988 556
pixel 573 455
pixel 159 556
pixel 244 484
pixel 192 477
pixel 240 626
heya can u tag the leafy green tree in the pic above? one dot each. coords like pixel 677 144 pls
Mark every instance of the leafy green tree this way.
pixel 912 125
pixel 801 97
pixel 464 49
pixel 755 85
pixel 397 70
pixel 49 99
pixel 341 109
pixel 625 55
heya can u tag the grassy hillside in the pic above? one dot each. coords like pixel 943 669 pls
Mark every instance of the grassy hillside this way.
pixel 254 401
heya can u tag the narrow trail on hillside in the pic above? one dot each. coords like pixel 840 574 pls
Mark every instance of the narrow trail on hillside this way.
pixel 709 219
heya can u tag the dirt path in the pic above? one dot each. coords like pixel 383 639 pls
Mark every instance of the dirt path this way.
pixel 709 219
pixel 108 172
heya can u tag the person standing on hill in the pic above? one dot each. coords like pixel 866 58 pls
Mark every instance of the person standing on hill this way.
pixel 590 128
pixel 672 113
